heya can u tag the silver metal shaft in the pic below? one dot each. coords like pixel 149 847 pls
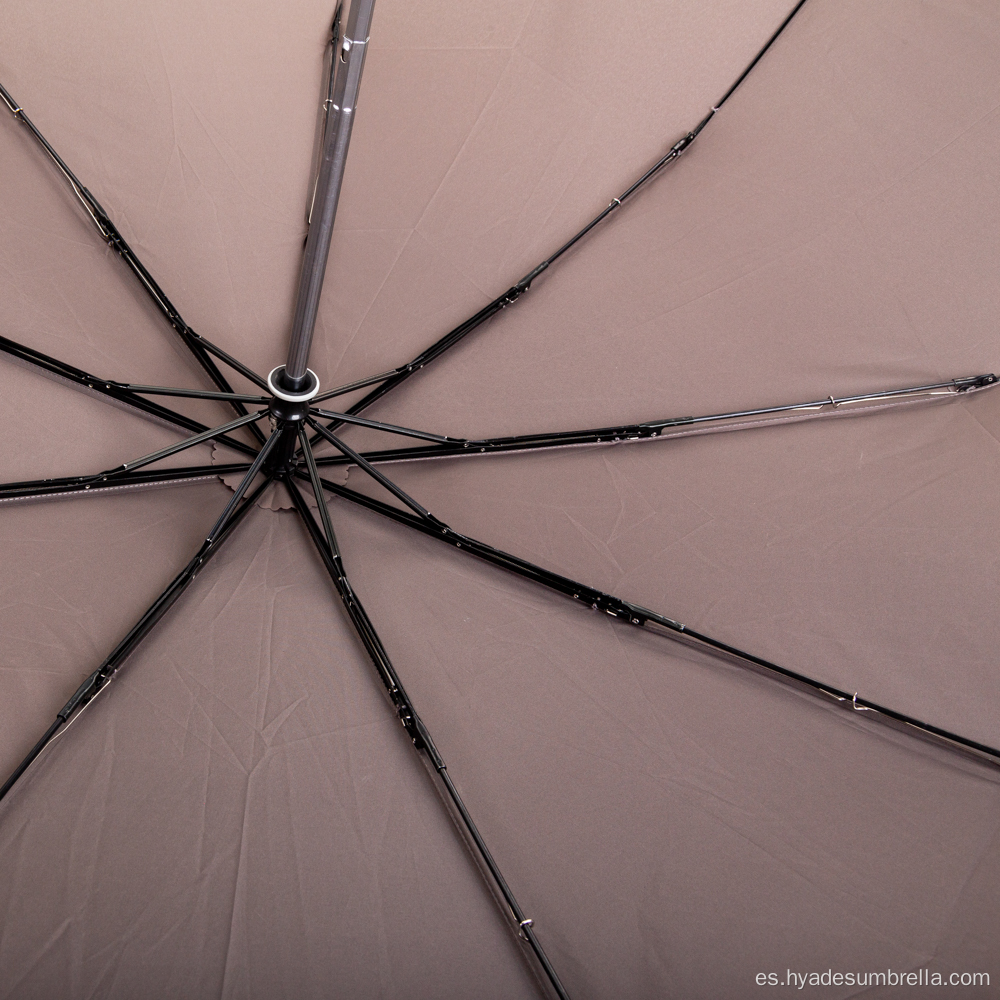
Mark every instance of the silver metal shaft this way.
pixel 350 60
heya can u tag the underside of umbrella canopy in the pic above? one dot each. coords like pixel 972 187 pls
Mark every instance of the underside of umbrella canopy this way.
pixel 682 542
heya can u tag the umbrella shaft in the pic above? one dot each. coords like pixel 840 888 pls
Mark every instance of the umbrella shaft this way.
pixel 351 56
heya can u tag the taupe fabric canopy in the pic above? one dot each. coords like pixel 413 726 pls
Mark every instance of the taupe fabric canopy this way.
pixel 240 814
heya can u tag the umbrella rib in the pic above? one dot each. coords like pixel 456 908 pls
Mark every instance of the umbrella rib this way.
pixel 366 466
pixel 640 617
pixel 361 383
pixel 391 380
pixel 380 425
pixel 207 435
pixel 97 680
pixel 250 476
pixel 164 390
pixel 198 346
pixel 119 392
pixel 81 484
pixel 407 714
pixel 651 429
pixel 112 477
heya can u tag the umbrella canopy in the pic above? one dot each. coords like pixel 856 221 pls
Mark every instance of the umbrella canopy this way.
pixel 239 815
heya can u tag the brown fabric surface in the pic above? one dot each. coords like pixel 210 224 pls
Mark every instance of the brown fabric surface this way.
pixel 234 819
pixel 239 814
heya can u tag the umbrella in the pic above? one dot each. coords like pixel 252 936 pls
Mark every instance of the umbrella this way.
pixel 238 814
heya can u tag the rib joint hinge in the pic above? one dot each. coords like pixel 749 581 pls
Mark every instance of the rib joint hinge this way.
pixel 14 107
pixel 678 147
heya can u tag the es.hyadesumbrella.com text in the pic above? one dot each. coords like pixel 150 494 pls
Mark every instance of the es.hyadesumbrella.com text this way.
pixel 913 977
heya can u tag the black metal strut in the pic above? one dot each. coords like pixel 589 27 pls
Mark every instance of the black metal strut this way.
pixel 198 345
pixel 119 474
pixel 326 545
pixel 165 390
pixel 118 391
pixel 636 615
pixel 381 425
pixel 97 680
pixel 70 485
pixel 360 461
pixel 454 447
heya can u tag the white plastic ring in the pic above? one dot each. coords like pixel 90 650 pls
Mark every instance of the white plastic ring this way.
pixel 293 397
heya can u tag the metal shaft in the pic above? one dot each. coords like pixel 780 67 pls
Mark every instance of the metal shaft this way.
pixel 350 62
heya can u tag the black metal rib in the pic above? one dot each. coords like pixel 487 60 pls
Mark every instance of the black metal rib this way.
pixel 381 425
pixel 209 435
pixel 94 683
pixel 650 428
pixel 516 290
pixel 314 480
pixel 361 383
pixel 411 721
pixel 164 390
pixel 109 232
pixel 757 58
pixel 120 474
pixel 365 466
pixel 641 617
pixel 145 477
pixel 247 480
pixel 113 390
